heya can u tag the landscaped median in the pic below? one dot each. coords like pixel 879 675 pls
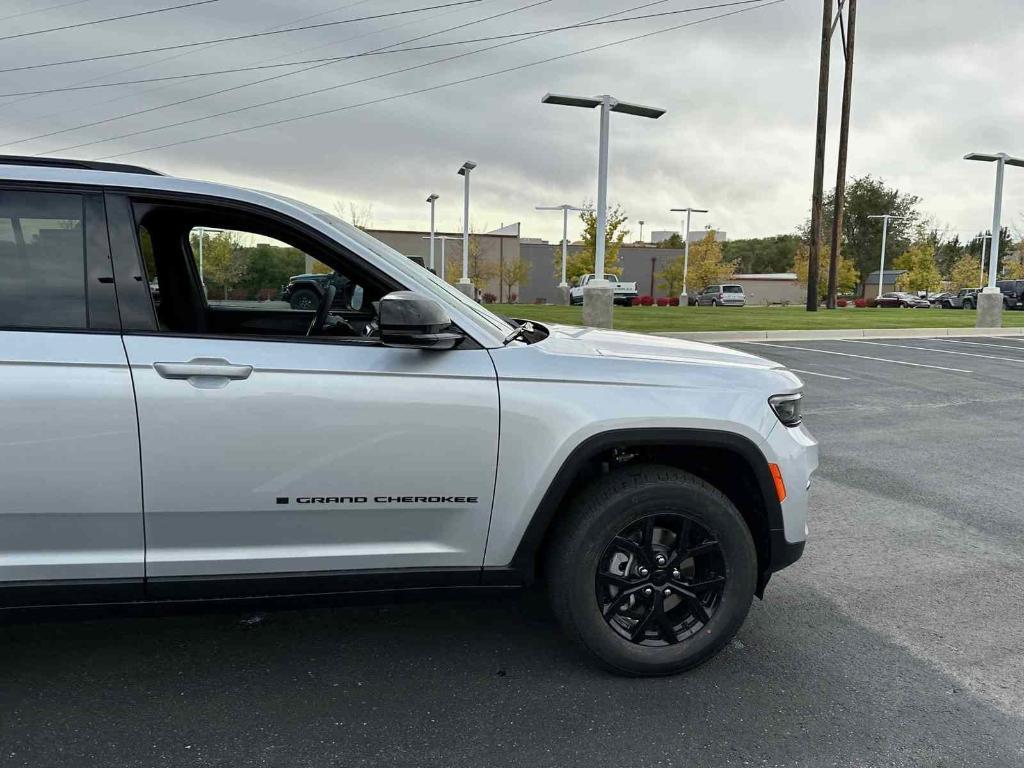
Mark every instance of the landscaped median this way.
pixel 691 320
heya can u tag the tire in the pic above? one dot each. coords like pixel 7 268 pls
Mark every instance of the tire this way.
pixel 304 299
pixel 714 302
pixel 946 305
pixel 967 305
pixel 606 528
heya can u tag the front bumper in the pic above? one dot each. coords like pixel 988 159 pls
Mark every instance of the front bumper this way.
pixel 796 452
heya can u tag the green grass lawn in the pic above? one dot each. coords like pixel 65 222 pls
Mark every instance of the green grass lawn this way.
pixel 652 319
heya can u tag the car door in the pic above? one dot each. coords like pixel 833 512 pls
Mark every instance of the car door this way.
pixel 268 454
pixel 70 517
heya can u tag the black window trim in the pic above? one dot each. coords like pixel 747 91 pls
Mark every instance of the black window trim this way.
pixel 97 270
pixel 130 270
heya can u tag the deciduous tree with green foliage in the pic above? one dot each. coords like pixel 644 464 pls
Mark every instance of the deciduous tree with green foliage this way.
pixel 922 273
pixel 762 254
pixel 224 261
pixel 582 262
pixel 964 272
pixel 514 272
pixel 670 279
pixel 675 240
pixel 847 274
pixel 707 266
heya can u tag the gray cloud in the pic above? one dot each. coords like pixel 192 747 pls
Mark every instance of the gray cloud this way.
pixel 933 81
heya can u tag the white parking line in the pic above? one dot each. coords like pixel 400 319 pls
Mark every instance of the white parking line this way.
pixel 979 343
pixel 933 349
pixel 861 357
pixel 815 373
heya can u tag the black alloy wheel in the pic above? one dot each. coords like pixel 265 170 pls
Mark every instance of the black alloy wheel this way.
pixel 660 580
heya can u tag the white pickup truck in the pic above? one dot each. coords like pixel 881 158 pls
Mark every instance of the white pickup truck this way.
pixel 624 292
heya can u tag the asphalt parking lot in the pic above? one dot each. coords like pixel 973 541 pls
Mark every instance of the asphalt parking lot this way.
pixel 897 640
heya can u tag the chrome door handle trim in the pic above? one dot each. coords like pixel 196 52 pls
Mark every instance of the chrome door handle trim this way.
pixel 203 367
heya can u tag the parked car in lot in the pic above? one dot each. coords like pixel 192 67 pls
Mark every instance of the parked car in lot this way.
pixel 962 299
pixel 901 299
pixel 937 299
pixel 725 295
pixel 653 484
pixel 1013 293
pixel 305 291
pixel 623 292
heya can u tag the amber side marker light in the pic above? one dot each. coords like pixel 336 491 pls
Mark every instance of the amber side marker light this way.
pixel 780 487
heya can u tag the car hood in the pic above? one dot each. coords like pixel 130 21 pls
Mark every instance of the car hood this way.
pixel 597 342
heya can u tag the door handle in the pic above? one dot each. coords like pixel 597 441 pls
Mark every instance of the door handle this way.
pixel 204 372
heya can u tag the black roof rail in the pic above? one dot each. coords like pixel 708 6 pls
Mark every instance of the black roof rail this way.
pixel 85 165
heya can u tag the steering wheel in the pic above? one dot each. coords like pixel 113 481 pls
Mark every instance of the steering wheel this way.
pixel 322 311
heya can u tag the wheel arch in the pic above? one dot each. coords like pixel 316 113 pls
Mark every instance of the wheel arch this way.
pixel 729 461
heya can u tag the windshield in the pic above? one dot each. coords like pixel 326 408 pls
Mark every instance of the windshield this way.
pixel 732 289
pixel 427 280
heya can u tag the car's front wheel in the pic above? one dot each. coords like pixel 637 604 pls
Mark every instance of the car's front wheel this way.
pixel 652 571
pixel 304 299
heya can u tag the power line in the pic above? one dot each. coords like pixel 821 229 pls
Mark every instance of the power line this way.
pixel 359 81
pixel 249 36
pixel 378 52
pixel 449 84
pixel 267 79
pixel 109 18
pixel 34 11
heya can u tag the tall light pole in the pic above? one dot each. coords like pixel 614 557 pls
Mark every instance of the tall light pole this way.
pixel 444 239
pixel 464 283
pixel 686 246
pixel 598 294
pixel 564 208
pixel 885 217
pixel 641 223
pixel 431 200
pixel 990 300
pixel 981 271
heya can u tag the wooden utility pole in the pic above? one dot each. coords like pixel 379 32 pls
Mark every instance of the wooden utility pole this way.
pixel 819 160
pixel 844 137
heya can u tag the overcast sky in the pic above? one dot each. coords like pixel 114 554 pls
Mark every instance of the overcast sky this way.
pixel 934 79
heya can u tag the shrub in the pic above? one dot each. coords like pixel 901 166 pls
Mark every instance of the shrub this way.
pixel 662 301
pixel 860 303
pixel 490 298
pixel 840 302
pixel 674 301
pixel 513 298
pixel 646 301
pixel 635 301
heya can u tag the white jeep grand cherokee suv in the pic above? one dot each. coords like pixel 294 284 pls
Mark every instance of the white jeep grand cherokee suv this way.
pixel 174 430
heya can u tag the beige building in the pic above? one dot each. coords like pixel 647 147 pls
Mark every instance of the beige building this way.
pixel 771 288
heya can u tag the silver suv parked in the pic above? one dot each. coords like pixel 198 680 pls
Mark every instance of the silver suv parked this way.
pixel 212 441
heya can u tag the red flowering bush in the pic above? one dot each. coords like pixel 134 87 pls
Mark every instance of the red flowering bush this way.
pixel 860 303
pixel 674 301
pixel 646 301
pixel 662 301
pixel 841 302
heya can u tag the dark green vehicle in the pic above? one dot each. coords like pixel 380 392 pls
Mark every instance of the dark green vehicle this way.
pixel 304 291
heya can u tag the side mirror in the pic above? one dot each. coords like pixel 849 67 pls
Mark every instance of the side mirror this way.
pixel 409 320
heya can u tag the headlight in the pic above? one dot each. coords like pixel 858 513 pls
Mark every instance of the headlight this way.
pixel 787 408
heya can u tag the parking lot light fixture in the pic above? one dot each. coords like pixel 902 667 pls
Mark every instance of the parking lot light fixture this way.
pixel 990 300
pixel 686 243
pixel 598 295
pixel 564 208
pixel 431 200
pixel 464 283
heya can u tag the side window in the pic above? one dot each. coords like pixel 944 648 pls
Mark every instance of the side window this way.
pixel 211 274
pixel 42 260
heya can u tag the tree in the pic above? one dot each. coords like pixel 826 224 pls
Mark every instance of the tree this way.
pixel 514 272
pixel 480 269
pixel 360 216
pixel 862 236
pixel 1006 247
pixel 582 262
pixel 847 274
pixel 964 272
pixel 224 261
pixel 761 254
pixel 922 273
pixel 1013 270
pixel 671 277
pixel 706 264
pixel 675 240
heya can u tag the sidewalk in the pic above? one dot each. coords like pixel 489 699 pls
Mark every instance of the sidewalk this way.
pixel 845 333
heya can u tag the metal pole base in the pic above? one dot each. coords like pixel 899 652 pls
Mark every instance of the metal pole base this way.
pixel 990 309
pixel 467 288
pixel 597 305
pixel 563 294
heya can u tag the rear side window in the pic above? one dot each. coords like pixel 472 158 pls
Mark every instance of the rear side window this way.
pixel 42 260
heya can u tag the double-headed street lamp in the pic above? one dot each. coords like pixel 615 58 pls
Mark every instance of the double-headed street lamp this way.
pixel 886 218
pixel 990 300
pixel 431 200
pixel 444 239
pixel 464 284
pixel 686 245
pixel 564 208
pixel 598 294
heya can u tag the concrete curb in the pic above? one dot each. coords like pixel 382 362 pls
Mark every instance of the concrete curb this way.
pixel 832 333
